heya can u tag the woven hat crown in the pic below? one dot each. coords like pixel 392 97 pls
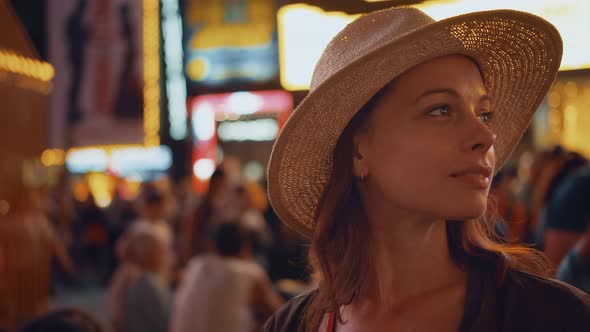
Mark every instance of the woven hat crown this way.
pixel 364 35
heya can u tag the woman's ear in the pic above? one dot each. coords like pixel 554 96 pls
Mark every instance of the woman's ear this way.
pixel 360 154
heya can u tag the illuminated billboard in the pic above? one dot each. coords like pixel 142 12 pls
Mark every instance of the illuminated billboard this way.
pixel 300 45
pixel 228 42
pixel 255 116
pixel 107 72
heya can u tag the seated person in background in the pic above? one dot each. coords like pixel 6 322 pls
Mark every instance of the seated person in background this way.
pixel 225 290
pixel 65 320
pixel 144 294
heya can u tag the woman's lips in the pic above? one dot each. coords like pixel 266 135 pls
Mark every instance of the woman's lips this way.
pixel 477 176
pixel 475 180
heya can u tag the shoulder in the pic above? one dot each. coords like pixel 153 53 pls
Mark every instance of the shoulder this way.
pixel 197 263
pixel 290 317
pixel 139 225
pixel 549 302
pixel 249 268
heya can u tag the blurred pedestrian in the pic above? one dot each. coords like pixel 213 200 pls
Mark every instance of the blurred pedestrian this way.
pixel 226 290
pixel 28 244
pixel 197 225
pixel 243 209
pixel 131 251
pixel 144 292
pixel 508 206
pixel 92 235
pixel 387 163
pixel 152 220
pixel 557 229
pixel 575 267
pixel 568 223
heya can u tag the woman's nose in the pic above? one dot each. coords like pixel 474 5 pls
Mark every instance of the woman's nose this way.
pixel 480 136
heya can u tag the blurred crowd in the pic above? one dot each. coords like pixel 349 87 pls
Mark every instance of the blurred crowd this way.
pixel 544 200
pixel 172 260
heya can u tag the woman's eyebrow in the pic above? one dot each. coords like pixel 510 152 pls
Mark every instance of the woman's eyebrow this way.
pixel 450 91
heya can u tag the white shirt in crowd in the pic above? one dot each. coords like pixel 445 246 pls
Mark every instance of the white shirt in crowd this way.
pixel 215 295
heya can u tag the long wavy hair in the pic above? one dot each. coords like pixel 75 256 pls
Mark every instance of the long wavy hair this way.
pixel 342 228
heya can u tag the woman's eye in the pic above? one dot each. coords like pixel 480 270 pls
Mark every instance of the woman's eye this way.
pixel 439 111
pixel 486 117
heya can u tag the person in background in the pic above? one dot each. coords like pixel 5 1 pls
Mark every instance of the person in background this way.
pixel 225 290
pixel 568 223
pixel 65 320
pixel 152 216
pixel 575 267
pixel 242 208
pixel 92 236
pixel 28 244
pixel 130 252
pixel 527 192
pixel 152 221
pixel 508 207
pixel 126 272
pixel 196 227
pixel 562 220
pixel 145 294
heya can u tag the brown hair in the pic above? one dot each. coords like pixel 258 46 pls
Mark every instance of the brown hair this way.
pixel 341 231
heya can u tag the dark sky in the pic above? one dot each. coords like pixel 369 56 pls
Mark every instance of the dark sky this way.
pixel 32 14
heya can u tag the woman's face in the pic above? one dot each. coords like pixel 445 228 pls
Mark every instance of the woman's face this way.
pixel 428 149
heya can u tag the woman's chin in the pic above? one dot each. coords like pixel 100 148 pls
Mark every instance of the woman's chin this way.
pixel 467 212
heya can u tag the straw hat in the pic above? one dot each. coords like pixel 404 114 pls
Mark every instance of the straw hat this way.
pixel 518 53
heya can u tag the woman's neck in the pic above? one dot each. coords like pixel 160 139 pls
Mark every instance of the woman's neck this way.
pixel 411 259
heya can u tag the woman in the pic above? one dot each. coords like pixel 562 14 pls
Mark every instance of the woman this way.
pixel 387 163
pixel 145 296
pixel 197 226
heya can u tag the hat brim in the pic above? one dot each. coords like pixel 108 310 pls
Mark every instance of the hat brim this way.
pixel 518 54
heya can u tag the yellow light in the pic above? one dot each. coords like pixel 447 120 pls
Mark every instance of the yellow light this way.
pixel 554 99
pixel 151 72
pixel 555 123
pixel 48 158
pixel 81 191
pixel 197 68
pixel 217 32
pixel 25 66
pixel 571 89
pixel 301 45
pixel 60 157
pixel 53 157
pixel 101 186
pixel 133 186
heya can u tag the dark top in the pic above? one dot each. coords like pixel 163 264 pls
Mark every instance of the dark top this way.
pixel 574 272
pixel 522 302
pixel 146 305
pixel 568 209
